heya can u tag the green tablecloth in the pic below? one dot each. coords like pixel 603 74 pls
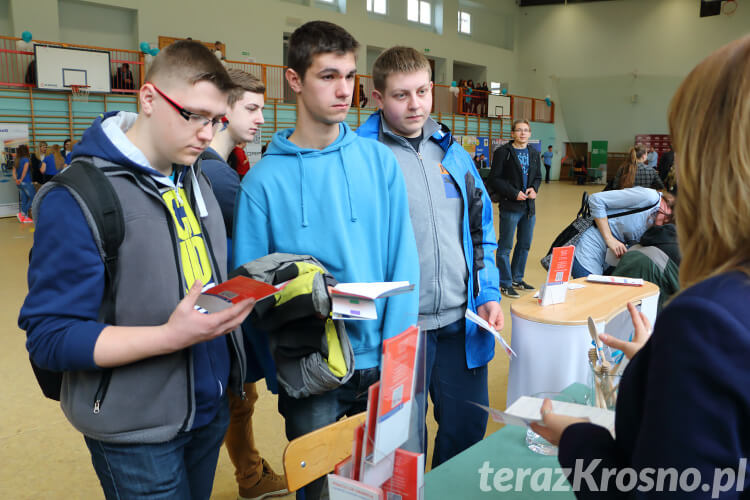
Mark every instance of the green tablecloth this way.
pixel 460 476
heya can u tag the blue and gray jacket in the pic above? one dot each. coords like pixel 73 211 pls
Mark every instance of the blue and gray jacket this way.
pixel 447 232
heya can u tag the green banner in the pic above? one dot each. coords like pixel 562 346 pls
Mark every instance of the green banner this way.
pixel 599 160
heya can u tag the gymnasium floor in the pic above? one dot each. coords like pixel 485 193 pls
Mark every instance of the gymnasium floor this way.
pixel 42 456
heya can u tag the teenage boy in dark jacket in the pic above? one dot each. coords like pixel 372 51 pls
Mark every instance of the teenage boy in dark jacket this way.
pixel 149 390
pixel 515 176
pixel 255 477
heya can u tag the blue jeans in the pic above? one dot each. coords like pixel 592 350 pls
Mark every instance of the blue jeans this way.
pixel 513 222
pixel 308 414
pixel 452 387
pixel 578 270
pixel 181 468
pixel 27 196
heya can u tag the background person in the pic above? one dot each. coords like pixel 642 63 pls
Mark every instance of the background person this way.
pixel 634 172
pixel 616 234
pixel 22 178
pixel 515 177
pixel 547 158
pixel 684 400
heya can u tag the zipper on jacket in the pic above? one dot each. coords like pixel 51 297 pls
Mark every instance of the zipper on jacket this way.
pixel 101 391
pixel 438 296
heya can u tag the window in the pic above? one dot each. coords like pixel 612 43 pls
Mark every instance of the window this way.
pixel 464 22
pixel 326 1
pixel 419 11
pixel 376 6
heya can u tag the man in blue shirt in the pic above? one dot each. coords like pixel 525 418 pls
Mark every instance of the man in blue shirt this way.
pixel 652 157
pixel 547 157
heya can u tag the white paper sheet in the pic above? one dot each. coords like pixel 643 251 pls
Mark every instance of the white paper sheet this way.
pixel 475 318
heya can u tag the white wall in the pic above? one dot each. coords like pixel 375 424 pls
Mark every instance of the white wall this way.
pixel 98 25
pixel 592 58
pixel 6 25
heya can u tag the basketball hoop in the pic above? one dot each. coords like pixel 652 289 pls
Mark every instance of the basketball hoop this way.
pixel 80 92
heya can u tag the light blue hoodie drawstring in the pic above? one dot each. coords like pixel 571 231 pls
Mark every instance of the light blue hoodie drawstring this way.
pixel 352 210
pixel 302 188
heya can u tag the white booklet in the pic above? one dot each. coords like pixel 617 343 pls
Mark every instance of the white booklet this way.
pixel 475 318
pixel 357 300
pixel 527 409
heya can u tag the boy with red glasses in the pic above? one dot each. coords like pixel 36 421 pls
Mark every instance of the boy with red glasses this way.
pixel 145 375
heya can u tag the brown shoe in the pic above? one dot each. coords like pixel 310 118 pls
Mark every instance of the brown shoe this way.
pixel 270 485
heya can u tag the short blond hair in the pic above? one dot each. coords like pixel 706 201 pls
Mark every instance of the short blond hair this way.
pixel 709 119
pixel 243 82
pixel 398 59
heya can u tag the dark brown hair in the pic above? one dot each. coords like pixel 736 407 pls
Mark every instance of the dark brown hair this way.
pixel 629 167
pixel 22 151
pixel 317 37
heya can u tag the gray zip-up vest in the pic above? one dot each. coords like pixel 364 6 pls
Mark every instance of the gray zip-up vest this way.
pixel 149 401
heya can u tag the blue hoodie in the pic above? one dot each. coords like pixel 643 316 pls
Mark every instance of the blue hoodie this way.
pixel 65 292
pixel 345 205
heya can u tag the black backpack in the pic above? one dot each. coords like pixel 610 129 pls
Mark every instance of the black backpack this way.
pixel 94 190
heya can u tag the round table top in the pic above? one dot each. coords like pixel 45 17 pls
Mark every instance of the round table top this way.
pixel 599 300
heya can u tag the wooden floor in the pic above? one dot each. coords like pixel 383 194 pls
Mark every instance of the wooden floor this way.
pixel 42 456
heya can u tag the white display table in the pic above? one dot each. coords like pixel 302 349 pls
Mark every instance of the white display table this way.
pixel 552 342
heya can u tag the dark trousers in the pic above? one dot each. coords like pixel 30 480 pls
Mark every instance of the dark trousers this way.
pixel 308 414
pixel 452 389
pixel 546 175
pixel 511 223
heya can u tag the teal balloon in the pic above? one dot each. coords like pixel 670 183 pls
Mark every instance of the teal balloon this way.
pixel 504 91
pixel 453 83
pixel 548 101
pixel 153 51
pixel 145 47
pixel 26 36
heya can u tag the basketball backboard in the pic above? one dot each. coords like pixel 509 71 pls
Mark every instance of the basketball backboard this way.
pixel 59 68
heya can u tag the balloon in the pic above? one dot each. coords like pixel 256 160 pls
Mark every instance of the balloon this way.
pixel 148 59
pixel 23 46
pixel 548 101
pixel 154 51
pixel 145 47
pixel 26 36
pixel 453 90
pixel 453 83
pixel 504 91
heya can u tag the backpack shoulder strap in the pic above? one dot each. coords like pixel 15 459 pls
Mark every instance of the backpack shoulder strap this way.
pixel 102 201
pixel 92 188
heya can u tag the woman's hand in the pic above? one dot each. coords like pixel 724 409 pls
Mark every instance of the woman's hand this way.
pixel 640 337
pixel 553 425
pixel 617 246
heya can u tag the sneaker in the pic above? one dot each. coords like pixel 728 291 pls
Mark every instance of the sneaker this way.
pixel 270 485
pixel 509 292
pixel 27 220
pixel 20 216
pixel 522 285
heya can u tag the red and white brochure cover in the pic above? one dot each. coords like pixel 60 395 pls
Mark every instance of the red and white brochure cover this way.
pixel 553 291
pixel 345 467
pixel 342 488
pixel 358 449
pixel 560 265
pixel 407 481
pixel 397 378
pixel 233 291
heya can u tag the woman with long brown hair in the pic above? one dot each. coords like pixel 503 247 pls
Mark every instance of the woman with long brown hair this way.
pixel 53 163
pixel 684 399
pixel 634 171
pixel 22 178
